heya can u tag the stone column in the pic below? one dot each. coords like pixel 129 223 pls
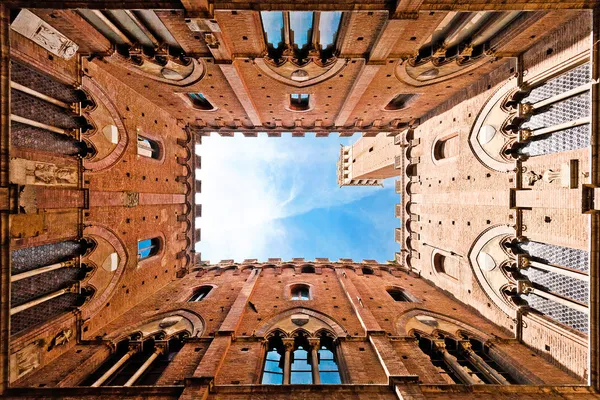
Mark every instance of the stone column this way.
pixel 40 300
pixel 452 362
pixel 133 348
pixel 287 360
pixel 314 344
pixel 480 364
pixel 65 264
pixel 159 349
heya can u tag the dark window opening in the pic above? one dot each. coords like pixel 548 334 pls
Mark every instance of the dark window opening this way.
pixel 300 292
pixel 367 271
pixel 299 101
pixel 400 102
pixel 399 295
pixel 200 293
pixel 148 248
pixel 200 102
pixel 308 269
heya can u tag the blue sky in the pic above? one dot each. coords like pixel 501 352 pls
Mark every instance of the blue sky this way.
pixel 278 197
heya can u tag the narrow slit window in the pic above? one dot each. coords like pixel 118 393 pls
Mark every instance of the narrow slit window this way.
pixel 200 102
pixel 148 147
pixel 148 248
pixel 299 101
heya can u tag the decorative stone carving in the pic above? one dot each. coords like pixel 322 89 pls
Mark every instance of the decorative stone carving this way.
pixel 531 177
pixel 25 360
pixel 62 338
pixel 29 172
pixel 132 199
pixel 300 319
pixel 32 27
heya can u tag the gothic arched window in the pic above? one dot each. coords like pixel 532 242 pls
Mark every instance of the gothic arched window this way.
pixel 301 366
pixel 273 370
pixel 329 370
pixel 301 360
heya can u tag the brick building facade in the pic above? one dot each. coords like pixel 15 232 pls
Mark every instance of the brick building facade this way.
pixel 488 109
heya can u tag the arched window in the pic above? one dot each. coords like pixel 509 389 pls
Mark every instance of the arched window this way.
pixel 446 147
pixel 367 271
pixel 295 30
pixel 308 269
pixel 399 295
pixel 299 101
pixel 148 147
pixel 300 292
pixel 310 361
pixel 445 265
pixel 200 102
pixel 301 366
pixel 273 370
pixel 464 361
pixel 139 362
pixel 200 293
pixel 148 248
pixel 400 101
pixel 329 370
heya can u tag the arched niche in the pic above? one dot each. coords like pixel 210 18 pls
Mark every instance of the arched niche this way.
pixel 109 259
pixel 170 323
pixel 489 258
pixel 110 138
pixel 489 136
pixel 429 322
pixel 445 148
pixel 430 72
pixel 172 73
pixel 300 76
pixel 301 318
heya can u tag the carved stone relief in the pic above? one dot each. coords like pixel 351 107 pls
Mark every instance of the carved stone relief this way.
pixel 32 27
pixel 29 172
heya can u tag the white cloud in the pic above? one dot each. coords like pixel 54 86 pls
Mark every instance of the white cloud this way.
pixel 250 184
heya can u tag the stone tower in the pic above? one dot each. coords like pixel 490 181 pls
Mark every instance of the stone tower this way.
pixel 368 161
pixel 486 112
